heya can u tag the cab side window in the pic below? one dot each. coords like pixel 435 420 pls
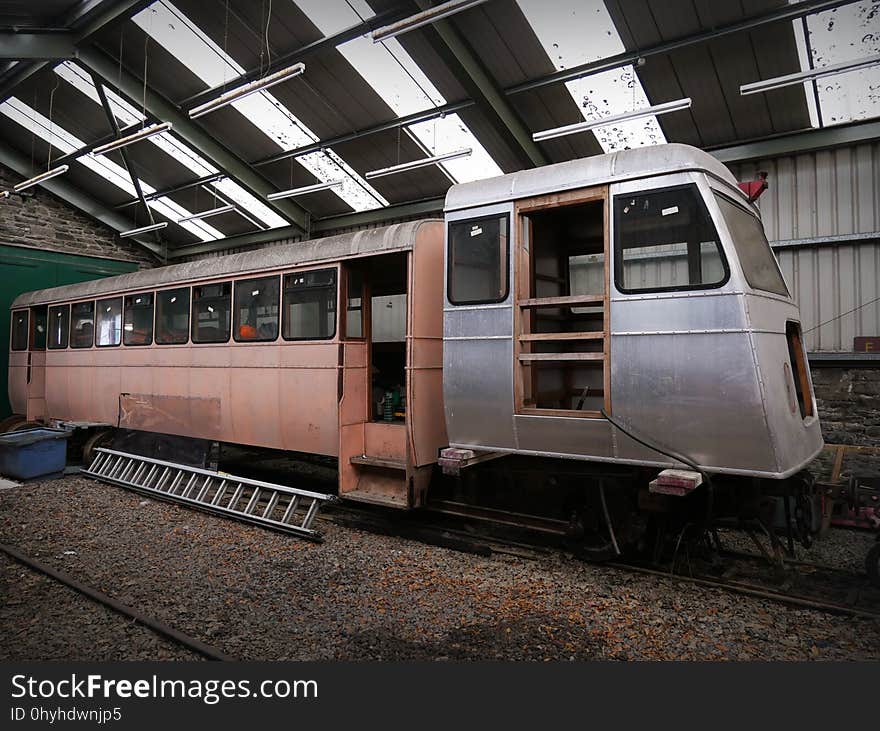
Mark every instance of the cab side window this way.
pixel 478 260
pixel 310 305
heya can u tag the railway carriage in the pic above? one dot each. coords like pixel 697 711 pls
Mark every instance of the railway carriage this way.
pixel 623 309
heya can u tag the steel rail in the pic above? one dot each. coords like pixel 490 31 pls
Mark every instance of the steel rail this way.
pixel 158 627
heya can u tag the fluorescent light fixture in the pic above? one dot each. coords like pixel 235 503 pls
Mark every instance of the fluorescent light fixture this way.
pixel 240 92
pixel 4 193
pixel 144 229
pixel 403 167
pixel 426 17
pixel 656 110
pixel 302 191
pixel 758 87
pixel 143 134
pixel 37 179
pixel 207 214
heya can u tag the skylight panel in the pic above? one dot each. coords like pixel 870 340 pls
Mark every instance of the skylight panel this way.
pixel 163 22
pixel 575 32
pixel 397 78
pixel 66 143
pixel 126 114
pixel 836 36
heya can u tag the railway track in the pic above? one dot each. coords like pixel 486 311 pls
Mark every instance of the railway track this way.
pixel 160 628
pixel 805 585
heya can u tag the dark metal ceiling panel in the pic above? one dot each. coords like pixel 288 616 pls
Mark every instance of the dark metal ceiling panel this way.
pixel 30 14
pixel 711 73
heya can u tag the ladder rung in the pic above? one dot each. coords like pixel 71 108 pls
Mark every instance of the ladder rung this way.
pixel 218 496
pixel 270 506
pixel 310 515
pixel 291 508
pixel 252 503
pixel 236 496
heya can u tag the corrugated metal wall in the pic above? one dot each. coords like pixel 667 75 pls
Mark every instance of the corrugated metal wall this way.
pixel 822 216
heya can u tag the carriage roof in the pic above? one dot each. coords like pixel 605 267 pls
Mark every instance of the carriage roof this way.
pixel 614 167
pixel 369 242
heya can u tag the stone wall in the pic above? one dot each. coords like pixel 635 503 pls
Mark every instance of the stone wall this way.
pixel 849 404
pixel 43 221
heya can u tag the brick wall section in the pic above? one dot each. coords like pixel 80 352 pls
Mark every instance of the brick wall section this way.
pixel 46 222
pixel 849 404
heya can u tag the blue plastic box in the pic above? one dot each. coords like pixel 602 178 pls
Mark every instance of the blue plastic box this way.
pixel 33 453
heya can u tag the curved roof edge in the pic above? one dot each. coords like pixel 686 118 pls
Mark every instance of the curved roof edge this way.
pixel 596 170
pixel 387 239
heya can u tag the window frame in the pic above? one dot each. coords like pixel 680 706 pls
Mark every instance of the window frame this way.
pixel 730 200
pixel 70 326
pixel 193 319
pixel 121 299
pixel 125 309
pixel 66 329
pixel 505 271
pixel 617 251
pixel 185 288
pixel 284 315
pixel 235 309
pixel 27 331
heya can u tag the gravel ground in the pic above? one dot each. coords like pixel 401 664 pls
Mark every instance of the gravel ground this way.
pixel 254 594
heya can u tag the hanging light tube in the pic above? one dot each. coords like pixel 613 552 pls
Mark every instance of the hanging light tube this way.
pixel 143 229
pixel 207 214
pixel 426 17
pixel 424 162
pixel 302 191
pixel 759 87
pixel 37 179
pixel 142 134
pixel 656 110
pixel 240 92
pixel 4 194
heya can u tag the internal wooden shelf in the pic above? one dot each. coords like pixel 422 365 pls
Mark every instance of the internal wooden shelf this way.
pixel 528 357
pixel 552 337
pixel 576 300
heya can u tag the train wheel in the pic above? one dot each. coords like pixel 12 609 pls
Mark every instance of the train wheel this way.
pixel 872 565
pixel 10 422
pixel 100 438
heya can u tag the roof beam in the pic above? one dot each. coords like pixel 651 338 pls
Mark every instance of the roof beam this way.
pixel 128 85
pixel 798 142
pixel 786 12
pixel 36 46
pixel 85 20
pixel 74 196
pixel 468 68
pixel 323 225
pixel 327 43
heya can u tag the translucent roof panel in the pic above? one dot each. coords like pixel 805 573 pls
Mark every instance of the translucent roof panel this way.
pixel 835 36
pixel 395 77
pixel 65 143
pixel 575 32
pixel 126 114
pixel 169 27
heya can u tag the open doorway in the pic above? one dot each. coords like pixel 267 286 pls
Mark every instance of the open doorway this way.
pixel 563 306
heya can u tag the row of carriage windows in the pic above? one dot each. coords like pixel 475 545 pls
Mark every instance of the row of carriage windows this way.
pixel 249 311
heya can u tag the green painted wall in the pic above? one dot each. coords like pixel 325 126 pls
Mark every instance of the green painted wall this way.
pixel 23 270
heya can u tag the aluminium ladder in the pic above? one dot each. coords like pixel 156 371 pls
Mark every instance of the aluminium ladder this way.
pixel 273 506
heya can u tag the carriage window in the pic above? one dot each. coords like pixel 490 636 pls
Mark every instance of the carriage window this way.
pixel 109 330
pixel 20 330
pixel 478 253
pixel 665 240
pixel 754 253
pixel 256 309
pixel 82 325
pixel 210 313
pixel 172 316
pixel 59 319
pixel 354 309
pixel 38 329
pixel 310 305
pixel 137 327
